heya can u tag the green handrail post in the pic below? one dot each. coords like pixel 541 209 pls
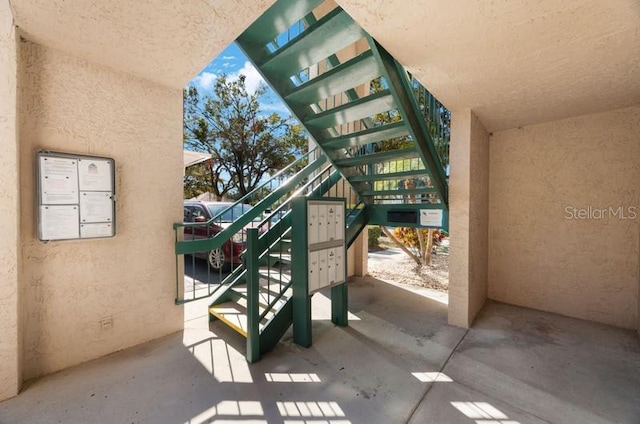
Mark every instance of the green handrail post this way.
pixel 253 287
pixel 301 298
pixel 340 304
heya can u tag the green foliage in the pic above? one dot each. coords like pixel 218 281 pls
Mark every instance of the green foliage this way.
pixel 436 116
pixel 377 85
pixel 409 236
pixel 374 235
pixel 196 180
pixel 245 145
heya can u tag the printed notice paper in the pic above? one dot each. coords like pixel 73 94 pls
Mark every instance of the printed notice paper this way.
pixel 59 180
pixel 76 197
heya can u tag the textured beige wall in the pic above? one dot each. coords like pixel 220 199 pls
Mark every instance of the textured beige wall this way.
pixel 71 105
pixel 585 268
pixel 9 213
pixel 468 220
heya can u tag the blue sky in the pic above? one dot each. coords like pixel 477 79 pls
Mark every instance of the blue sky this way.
pixel 233 63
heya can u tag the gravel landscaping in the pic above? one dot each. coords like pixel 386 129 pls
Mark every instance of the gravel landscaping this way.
pixel 392 264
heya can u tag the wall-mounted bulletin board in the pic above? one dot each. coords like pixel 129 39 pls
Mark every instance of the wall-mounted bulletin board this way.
pixel 76 196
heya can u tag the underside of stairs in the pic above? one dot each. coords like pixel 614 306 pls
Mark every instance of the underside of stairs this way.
pixel 376 124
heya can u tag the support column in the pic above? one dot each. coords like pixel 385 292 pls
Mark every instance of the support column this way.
pixel 469 218
pixel 10 348
pixel 361 254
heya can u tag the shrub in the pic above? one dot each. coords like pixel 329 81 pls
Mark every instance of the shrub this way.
pixel 409 236
pixel 374 235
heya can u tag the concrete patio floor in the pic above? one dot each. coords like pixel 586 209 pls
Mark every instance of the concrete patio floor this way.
pixel 397 362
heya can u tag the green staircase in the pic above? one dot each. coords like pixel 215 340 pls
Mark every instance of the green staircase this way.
pixel 381 141
pixel 255 298
pixel 372 120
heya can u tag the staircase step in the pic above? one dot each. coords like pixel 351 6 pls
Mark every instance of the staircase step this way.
pixel 406 153
pixel 368 136
pixel 399 192
pixel 364 107
pixel 276 20
pixel 266 294
pixel 285 245
pixel 269 278
pixel 330 34
pixel 359 70
pixel 276 257
pixel 232 314
pixel 389 176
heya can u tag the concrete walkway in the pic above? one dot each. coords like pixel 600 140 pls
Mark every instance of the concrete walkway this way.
pixel 397 362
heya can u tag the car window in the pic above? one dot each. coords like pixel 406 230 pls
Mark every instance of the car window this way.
pixel 191 212
pixel 230 215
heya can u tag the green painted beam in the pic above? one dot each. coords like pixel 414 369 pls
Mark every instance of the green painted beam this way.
pixel 356 223
pixel 352 111
pixel 329 35
pixel 368 136
pixel 408 107
pixel 359 70
pixel 377 157
pixel 378 213
pixel 390 176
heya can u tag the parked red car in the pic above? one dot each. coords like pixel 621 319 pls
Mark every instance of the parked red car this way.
pixel 231 251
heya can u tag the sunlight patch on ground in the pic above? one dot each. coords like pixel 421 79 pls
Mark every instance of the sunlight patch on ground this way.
pixel 292 378
pixel 431 377
pixel 310 409
pixel 222 361
pixel 231 408
pixel 483 413
pixel 321 308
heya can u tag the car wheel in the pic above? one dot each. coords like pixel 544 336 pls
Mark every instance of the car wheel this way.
pixel 216 260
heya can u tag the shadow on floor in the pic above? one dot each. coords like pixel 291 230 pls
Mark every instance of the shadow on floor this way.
pixel 397 362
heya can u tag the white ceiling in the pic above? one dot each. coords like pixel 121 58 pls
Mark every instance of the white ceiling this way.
pixel 514 62
pixel 162 40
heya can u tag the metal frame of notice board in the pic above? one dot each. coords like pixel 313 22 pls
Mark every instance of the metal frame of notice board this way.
pixel 76 196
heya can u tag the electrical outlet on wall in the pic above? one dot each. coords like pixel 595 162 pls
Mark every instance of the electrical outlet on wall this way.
pixel 106 323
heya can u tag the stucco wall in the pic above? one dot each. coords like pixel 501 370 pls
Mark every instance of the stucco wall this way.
pixel 543 253
pixel 9 325
pixel 68 104
pixel 469 220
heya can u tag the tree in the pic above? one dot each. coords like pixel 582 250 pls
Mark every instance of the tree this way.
pixel 245 144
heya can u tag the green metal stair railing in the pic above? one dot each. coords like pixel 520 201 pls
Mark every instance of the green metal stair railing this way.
pixel 263 283
pixel 317 178
pixel 267 245
pixel 278 188
pixel 302 53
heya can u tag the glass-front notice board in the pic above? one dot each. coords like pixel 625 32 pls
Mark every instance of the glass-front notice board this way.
pixel 76 196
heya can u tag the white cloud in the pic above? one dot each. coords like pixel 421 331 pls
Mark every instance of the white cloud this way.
pixel 228 65
pixel 228 57
pixel 253 78
pixel 205 81
pixel 279 108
